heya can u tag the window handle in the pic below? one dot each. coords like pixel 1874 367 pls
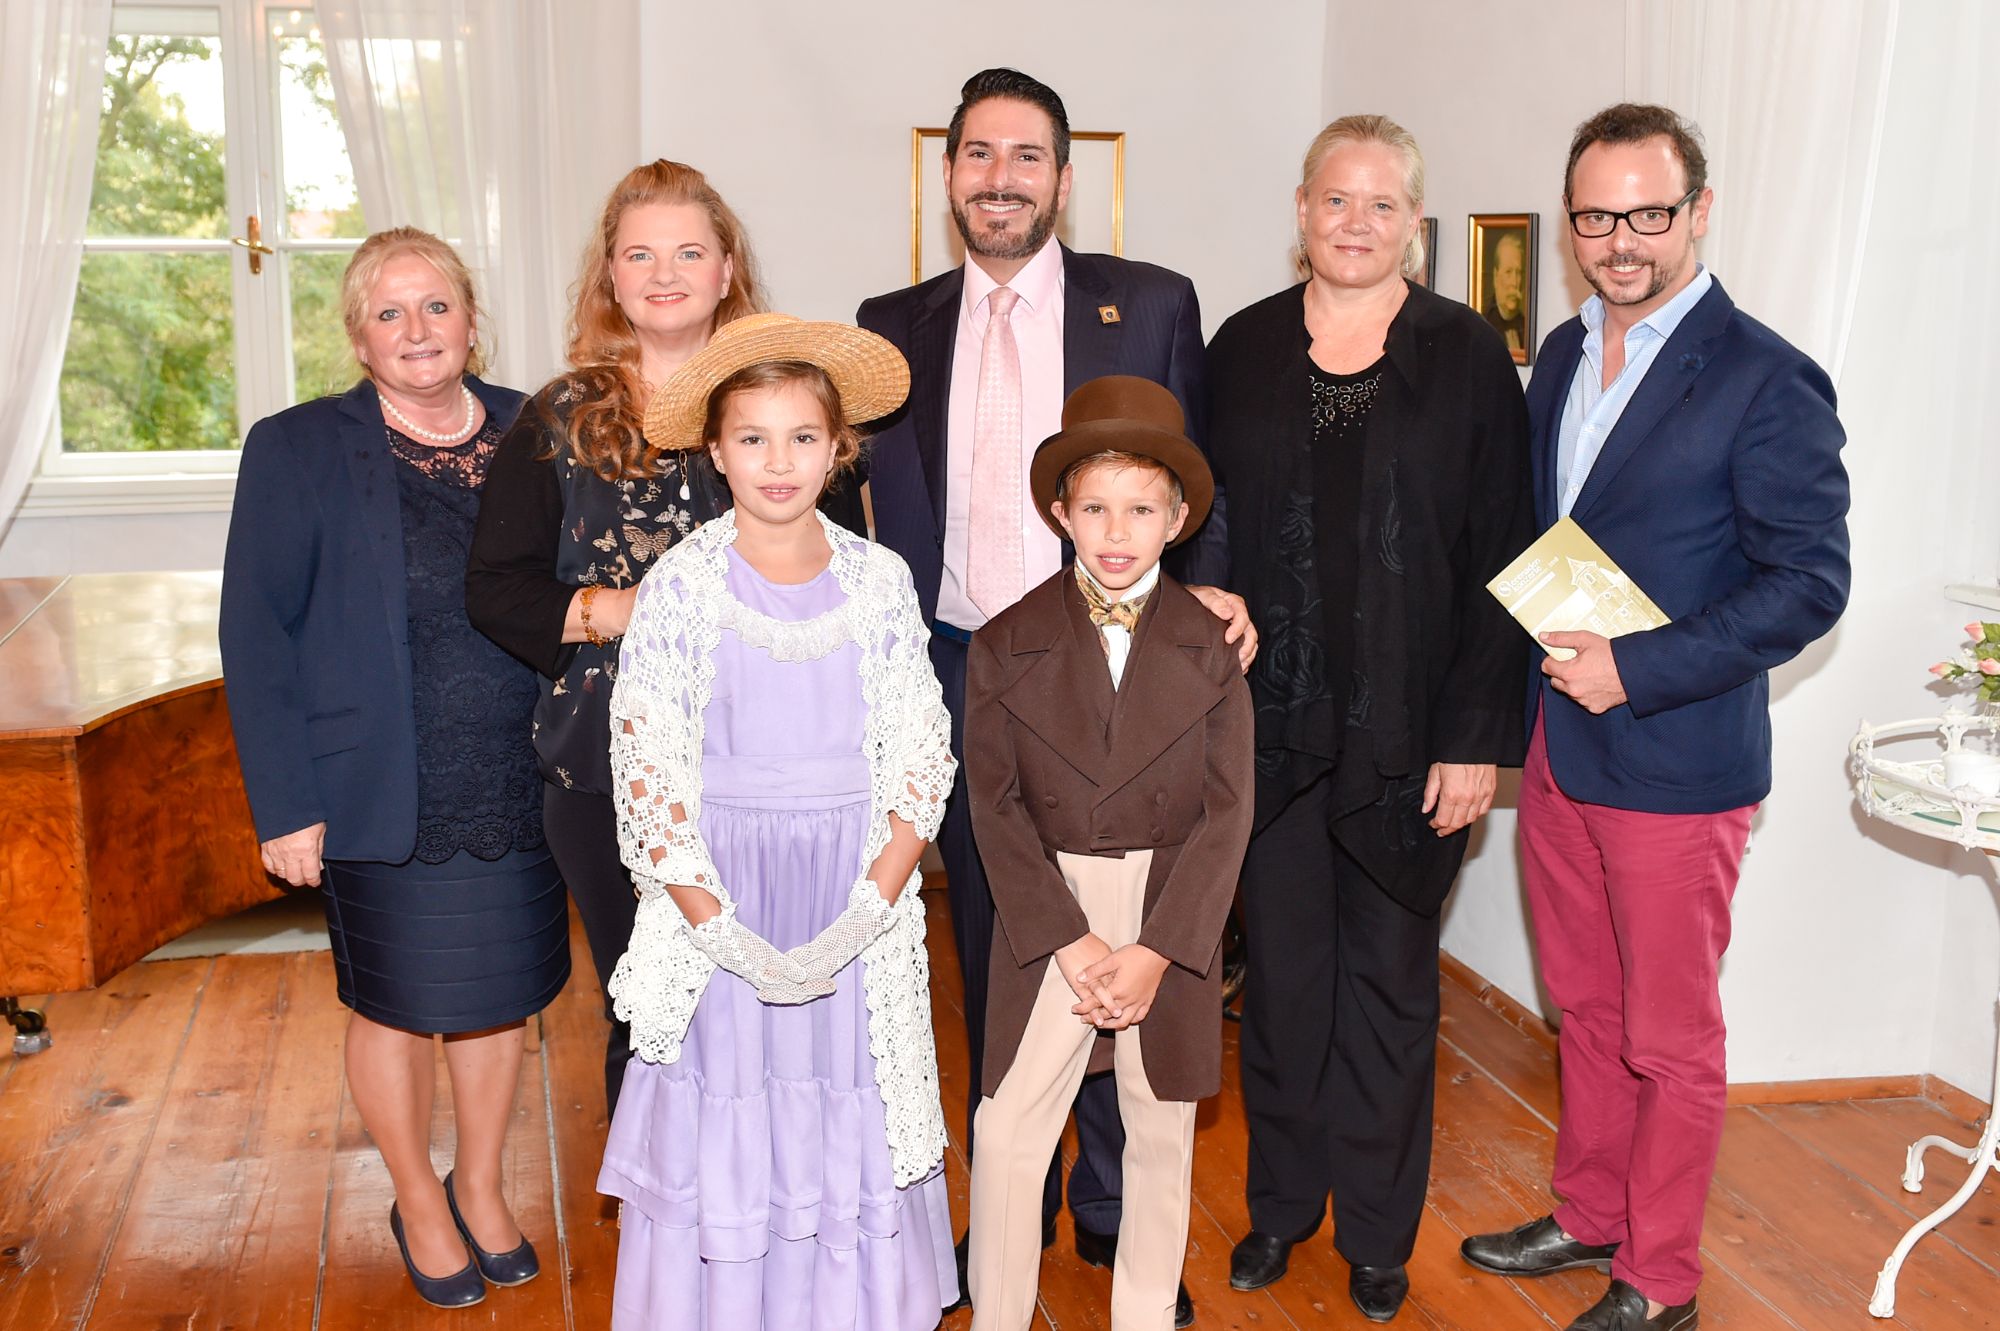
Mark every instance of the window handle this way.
pixel 254 242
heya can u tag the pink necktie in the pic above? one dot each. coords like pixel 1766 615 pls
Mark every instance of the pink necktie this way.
pixel 995 570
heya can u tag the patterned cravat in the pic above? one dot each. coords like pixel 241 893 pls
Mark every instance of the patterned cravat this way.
pixel 995 563
pixel 1105 611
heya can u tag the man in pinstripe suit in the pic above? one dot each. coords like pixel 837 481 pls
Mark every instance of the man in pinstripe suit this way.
pixel 1063 319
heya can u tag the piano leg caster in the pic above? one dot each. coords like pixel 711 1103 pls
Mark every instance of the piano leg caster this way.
pixel 31 1029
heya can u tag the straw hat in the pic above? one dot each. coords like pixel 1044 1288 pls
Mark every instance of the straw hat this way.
pixel 870 375
pixel 1126 414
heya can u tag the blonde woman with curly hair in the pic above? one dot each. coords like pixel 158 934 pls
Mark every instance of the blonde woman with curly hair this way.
pixel 579 506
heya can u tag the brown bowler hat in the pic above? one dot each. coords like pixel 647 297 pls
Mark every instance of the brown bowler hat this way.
pixel 1123 413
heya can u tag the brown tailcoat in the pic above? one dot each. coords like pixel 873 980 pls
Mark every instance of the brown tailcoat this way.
pixel 1056 761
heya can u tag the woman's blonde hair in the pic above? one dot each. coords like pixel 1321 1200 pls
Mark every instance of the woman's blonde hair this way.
pixel 1376 129
pixel 375 254
pixel 604 431
pixel 776 373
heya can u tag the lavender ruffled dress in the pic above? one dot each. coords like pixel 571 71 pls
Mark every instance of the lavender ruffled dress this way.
pixel 755 1170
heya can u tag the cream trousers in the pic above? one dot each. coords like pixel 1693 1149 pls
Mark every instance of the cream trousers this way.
pixel 1017 1128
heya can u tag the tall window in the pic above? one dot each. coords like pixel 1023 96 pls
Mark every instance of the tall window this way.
pixel 222 213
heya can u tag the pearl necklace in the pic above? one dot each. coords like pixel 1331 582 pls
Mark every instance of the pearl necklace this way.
pixel 453 437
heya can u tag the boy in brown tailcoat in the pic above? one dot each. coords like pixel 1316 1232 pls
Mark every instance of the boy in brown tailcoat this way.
pixel 1108 755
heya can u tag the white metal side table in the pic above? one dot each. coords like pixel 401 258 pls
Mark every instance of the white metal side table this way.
pixel 1910 792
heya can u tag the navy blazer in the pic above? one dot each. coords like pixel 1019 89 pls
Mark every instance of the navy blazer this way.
pixel 1721 493
pixel 315 632
pixel 1157 334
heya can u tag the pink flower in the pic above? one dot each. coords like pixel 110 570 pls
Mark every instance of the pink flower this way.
pixel 1989 667
pixel 1942 669
pixel 1975 630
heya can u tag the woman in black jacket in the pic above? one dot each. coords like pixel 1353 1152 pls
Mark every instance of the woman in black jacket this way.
pixel 384 748
pixel 1374 441
pixel 579 506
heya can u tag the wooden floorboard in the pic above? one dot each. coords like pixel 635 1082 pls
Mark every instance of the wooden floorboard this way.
pixel 75 1122
pixel 187 1156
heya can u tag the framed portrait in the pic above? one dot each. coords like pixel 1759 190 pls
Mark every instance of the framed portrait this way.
pixel 1500 276
pixel 1093 222
pixel 1428 228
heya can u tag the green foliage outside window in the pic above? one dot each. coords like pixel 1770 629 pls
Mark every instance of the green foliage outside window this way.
pixel 150 364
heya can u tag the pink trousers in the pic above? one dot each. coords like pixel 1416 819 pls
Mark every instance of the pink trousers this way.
pixel 1631 915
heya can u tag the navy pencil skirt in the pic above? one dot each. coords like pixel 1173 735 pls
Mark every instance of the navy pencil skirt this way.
pixel 464 945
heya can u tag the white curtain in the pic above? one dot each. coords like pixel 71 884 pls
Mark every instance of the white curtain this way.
pixel 1791 96
pixel 478 120
pixel 51 94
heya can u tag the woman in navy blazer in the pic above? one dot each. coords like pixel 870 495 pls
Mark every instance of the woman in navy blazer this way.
pixel 386 745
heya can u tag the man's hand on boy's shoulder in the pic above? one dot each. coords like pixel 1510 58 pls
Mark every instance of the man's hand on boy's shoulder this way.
pixel 1230 607
pixel 1129 978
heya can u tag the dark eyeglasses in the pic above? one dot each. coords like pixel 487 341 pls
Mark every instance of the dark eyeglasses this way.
pixel 1643 221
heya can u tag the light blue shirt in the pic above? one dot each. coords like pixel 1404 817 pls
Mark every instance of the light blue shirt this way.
pixel 1591 411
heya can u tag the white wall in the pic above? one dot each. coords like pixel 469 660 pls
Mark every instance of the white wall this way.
pixel 1857 951
pixel 803 122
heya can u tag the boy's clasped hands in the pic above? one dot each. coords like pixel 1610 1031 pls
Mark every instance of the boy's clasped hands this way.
pixel 1115 987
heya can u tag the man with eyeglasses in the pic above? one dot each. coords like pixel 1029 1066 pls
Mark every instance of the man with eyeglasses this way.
pixel 1701 451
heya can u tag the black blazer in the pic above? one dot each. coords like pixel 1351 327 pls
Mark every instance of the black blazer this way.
pixel 1446 504
pixel 1157 334
pixel 1720 492
pixel 315 635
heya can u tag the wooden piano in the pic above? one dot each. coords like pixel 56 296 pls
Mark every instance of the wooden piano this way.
pixel 123 821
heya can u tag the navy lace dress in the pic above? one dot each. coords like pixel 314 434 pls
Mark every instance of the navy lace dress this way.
pixel 472 931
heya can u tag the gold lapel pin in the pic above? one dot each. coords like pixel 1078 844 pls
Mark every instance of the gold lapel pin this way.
pixel 1107 314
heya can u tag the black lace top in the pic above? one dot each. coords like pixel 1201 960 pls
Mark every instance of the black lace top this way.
pixel 1307 684
pixel 477 787
pixel 549 525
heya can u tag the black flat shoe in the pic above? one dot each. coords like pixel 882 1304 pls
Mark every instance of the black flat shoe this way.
pixel 1623 1308
pixel 1378 1291
pixel 1259 1260
pixel 1101 1250
pixel 460 1289
pixel 516 1266
pixel 1537 1248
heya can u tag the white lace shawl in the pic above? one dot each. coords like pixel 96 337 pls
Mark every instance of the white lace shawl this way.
pixel 666 671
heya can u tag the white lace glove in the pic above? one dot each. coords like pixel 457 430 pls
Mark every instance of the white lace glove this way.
pixel 866 916
pixel 773 974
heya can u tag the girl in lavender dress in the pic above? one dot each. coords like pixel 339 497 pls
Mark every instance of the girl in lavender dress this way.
pixel 780 755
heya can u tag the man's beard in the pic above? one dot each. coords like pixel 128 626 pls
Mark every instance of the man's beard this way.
pixel 1654 286
pixel 988 244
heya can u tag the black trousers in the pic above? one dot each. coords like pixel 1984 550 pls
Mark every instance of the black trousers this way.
pixel 1097 1182
pixel 1340 1025
pixel 582 830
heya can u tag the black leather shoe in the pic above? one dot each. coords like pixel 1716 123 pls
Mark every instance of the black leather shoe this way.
pixel 516 1266
pixel 1095 1249
pixel 1259 1260
pixel 1101 1250
pixel 1378 1291
pixel 460 1289
pixel 1623 1308
pixel 1537 1248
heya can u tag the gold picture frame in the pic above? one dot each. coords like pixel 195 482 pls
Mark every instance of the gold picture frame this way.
pixel 1094 221
pixel 1488 264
